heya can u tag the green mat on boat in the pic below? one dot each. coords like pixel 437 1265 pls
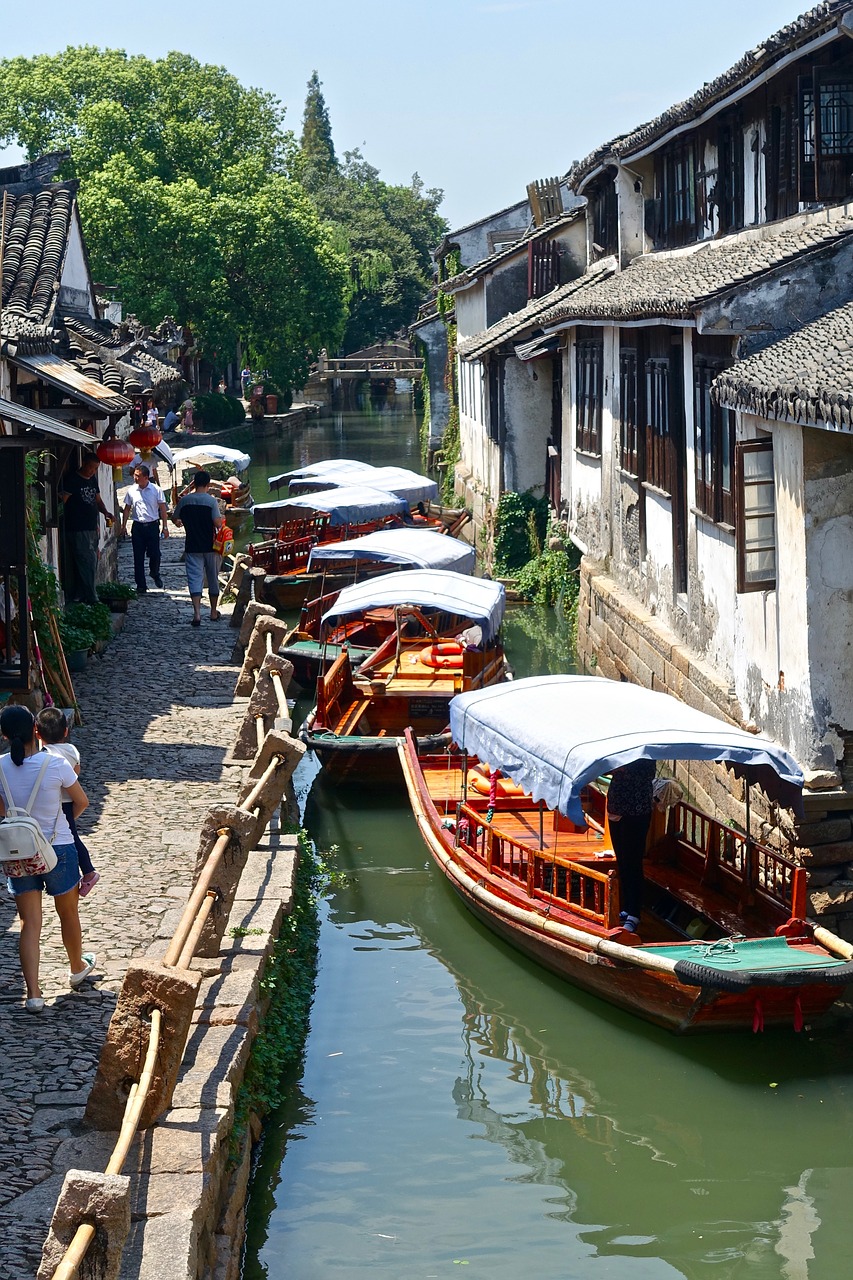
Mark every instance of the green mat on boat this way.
pixel 751 954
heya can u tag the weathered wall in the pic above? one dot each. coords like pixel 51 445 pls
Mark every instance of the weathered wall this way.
pixel 623 641
pixel 433 338
pixel 527 401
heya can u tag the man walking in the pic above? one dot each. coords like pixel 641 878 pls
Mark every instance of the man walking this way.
pixel 199 513
pixel 146 504
pixel 82 498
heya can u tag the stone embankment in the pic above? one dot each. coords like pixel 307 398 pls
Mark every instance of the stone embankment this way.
pixel 157 747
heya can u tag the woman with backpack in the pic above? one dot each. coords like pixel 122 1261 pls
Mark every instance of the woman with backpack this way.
pixel 23 771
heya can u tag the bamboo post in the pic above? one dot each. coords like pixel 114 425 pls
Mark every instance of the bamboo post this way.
pixel 197 896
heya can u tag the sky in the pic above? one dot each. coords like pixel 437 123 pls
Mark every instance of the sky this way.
pixel 479 97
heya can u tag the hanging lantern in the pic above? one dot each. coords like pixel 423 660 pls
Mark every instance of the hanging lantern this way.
pixel 115 453
pixel 144 439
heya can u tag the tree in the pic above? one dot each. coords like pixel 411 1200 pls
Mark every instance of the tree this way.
pixel 187 197
pixel 316 145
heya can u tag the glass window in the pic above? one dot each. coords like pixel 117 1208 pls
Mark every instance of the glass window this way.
pixel 756 522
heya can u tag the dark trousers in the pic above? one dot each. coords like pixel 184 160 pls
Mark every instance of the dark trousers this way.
pixel 628 836
pixel 83 856
pixel 145 539
pixel 84 550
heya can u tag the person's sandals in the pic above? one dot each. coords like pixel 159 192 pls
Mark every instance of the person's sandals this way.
pixel 195 622
pixel 77 979
pixel 214 617
pixel 35 1004
pixel 88 882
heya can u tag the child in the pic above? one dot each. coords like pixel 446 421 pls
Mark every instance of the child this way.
pixel 52 729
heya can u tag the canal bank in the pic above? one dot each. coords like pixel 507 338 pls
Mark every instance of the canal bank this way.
pixel 160 721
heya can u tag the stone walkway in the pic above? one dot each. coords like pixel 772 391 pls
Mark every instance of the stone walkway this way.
pixel 159 720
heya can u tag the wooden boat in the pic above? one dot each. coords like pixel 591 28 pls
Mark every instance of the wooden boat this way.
pixel 412 676
pixel 334 515
pixel 234 494
pixel 723 942
pixel 311 646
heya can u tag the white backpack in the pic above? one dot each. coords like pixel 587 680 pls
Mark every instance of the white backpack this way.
pixel 24 849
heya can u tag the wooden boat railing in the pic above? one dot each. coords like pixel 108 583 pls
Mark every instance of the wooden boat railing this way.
pixel 725 858
pixel 546 877
pixel 283 557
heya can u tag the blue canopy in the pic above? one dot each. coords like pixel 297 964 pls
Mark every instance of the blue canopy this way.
pixel 318 469
pixel 552 735
pixel 354 505
pixel 424 548
pixel 406 484
pixel 477 599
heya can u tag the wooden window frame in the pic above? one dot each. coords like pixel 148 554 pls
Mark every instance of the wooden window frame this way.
pixel 713 446
pixel 658 463
pixel 589 398
pixel 747 581
pixel 630 410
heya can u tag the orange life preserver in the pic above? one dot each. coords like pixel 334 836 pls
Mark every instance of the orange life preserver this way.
pixel 444 653
pixel 479 779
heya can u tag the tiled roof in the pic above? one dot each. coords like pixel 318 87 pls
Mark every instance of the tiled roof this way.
pixel 113 355
pixel 753 64
pixel 530 317
pixel 673 284
pixel 468 274
pixel 805 377
pixel 36 234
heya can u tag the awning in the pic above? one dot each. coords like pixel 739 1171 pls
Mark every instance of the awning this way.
pixel 43 424
pixel 553 735
pixel 424 548
pixel 477 599
pixel 354 505
pixel 545 345
pixel 67 378
pixel 398 480
pixel 318 469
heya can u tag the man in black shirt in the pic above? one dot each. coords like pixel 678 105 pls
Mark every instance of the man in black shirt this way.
pixel 83 503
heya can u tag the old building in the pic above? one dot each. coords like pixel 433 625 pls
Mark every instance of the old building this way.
pixel 706 362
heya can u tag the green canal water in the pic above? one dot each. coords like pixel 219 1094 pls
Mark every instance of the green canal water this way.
pixel 459 1108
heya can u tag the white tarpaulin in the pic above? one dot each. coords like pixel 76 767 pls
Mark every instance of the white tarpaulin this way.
pixel 355 505
pixel 204 454
pixel 318 469
pixel 554 734
pixel 477 599
pixel 424 548
pixel 406 484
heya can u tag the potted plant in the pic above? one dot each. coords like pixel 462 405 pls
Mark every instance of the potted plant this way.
pixel 76 643
pixel 115 595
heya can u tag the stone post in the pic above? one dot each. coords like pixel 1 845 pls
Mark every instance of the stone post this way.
pixel 257 648
pixel 101 1199
pixel 242 826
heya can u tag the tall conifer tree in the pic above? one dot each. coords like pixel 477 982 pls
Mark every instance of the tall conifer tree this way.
pixel 318 149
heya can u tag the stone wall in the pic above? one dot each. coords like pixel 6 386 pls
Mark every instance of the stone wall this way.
pixel 621 640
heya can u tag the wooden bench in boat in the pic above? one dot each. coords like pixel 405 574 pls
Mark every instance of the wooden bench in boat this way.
pixel 340 705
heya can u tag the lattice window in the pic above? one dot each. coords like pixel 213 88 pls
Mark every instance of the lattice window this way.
pixel 589 363
pixel 756 515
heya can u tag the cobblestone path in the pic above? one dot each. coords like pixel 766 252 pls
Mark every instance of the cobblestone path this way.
pixel 159 719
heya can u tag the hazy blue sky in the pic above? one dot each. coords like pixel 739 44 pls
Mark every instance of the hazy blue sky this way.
pixel 479 96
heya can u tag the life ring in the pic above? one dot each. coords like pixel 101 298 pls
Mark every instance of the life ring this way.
pixel 444 653
pixel 479 780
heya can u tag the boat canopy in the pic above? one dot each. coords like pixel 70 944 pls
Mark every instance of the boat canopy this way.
pixel 406 484
pixel 329 465
pixel 478 599
pixel 552 735
pixel 204 454
pixel 354 505
pixel 423 548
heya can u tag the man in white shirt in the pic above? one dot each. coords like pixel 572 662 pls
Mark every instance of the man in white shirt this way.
pixel 147 505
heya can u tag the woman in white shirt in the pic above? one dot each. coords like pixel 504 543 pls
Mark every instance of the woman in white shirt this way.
pixel 20 769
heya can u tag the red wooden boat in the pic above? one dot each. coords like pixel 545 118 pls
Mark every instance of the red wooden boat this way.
pixel 723 942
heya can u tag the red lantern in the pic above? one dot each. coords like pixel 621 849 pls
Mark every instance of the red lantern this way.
pixel 144 439
pixel 115 453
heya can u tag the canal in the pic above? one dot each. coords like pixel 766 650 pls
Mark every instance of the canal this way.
pixel 458 1107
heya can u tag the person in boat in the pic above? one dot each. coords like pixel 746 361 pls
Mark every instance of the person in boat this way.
pixel 630 800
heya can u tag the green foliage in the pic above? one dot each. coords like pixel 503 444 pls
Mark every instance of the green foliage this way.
pixel 115 591
pixel 520 524
pixel 548 578
pixel 75 639
pixel 187 198
pixel 217 412
pixel 316 145
pixel 451 452
pixel 289 982
pixel 89 617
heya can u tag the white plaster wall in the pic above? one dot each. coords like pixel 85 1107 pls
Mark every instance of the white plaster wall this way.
pixel 716 578
pixel 631 205
pixel 712 219
pixel 75 282
pixel 657 564
pixel 754 209
pixel 473 241
pixel 527 402
pixel 471 311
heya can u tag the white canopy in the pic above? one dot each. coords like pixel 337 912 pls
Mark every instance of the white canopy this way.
pixel 204 454
pixel 406 484
pixel 354 505
pixel 319 469
pixel 477 599
pixel 424 548
pixel 554 734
